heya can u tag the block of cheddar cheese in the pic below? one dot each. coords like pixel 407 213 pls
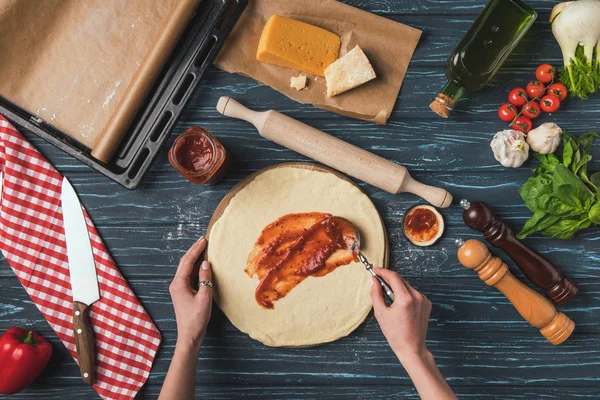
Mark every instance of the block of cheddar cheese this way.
pixel 297 45
pixel 350 71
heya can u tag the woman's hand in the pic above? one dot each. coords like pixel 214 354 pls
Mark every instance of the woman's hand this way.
pixel 192 311
pixel 192 307
pixel 404 323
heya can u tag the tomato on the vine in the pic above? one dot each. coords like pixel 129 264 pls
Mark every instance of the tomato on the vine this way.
pixel 532 110
pixel 559 90
pixel 517 97
pixel 550 103
pixel 507 112
pixel 545 73
pixel 522 124
pixel 535 89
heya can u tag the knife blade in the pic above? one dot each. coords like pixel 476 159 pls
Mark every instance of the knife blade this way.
pixel 84 282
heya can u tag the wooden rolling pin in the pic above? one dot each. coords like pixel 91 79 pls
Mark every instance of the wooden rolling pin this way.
pixel 539 312
pixel 334 152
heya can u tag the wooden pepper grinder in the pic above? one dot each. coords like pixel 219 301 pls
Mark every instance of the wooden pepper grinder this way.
pixel 541 272
pixel 539 312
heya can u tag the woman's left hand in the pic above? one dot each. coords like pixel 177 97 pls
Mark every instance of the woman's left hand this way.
pixel 192 307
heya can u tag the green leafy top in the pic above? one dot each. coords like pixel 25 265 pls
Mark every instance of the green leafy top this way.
pixel 581 76
pixel 562 198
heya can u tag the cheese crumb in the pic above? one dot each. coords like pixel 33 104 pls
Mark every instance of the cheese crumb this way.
pixel 298 82
pixel 348 72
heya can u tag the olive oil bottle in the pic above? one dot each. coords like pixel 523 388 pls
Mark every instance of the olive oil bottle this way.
pixel 482 50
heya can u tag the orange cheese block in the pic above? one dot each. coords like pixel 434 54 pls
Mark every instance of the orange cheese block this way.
pixel 297 45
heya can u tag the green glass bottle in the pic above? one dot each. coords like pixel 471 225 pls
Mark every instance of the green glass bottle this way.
pixel 482 50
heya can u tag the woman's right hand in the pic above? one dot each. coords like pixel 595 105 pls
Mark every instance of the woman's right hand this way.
pixel 404 323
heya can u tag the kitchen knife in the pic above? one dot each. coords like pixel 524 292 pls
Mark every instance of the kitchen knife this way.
pixel 84 283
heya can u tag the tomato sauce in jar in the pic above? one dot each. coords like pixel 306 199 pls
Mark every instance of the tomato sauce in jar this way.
pixel 199 157
pixel 423 225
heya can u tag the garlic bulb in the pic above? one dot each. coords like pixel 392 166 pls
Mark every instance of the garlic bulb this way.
pixel 545 138
pixel 510 148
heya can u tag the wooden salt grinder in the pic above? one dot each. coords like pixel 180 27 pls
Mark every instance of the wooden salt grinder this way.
pixel 539 312
pixel 541 272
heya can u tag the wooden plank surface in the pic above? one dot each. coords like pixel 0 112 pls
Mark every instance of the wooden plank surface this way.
pixel 481 344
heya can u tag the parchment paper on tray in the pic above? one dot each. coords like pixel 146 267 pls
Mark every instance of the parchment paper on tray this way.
pixel 389 46
pixel 85 66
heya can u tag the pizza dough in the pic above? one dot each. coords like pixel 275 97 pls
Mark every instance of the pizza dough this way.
pixel 320 309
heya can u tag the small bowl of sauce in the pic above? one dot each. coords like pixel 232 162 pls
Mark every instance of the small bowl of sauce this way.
pixel 199 157
pixel 423 225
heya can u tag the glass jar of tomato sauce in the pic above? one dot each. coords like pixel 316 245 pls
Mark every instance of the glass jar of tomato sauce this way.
pixel 199 157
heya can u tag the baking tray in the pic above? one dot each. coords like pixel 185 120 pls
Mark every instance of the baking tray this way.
pixel 194 53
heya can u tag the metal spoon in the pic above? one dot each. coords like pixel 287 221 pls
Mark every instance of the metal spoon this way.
pixel 388 293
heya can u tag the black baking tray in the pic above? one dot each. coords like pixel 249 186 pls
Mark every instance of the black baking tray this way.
pixel 194 53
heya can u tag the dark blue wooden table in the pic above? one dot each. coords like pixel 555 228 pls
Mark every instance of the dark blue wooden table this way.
pixel 481 344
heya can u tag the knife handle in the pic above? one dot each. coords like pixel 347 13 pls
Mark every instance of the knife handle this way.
pixel 84 340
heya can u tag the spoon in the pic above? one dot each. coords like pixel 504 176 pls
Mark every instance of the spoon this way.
pixel 352 232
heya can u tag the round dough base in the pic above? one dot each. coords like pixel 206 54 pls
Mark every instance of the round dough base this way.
pixel 318 310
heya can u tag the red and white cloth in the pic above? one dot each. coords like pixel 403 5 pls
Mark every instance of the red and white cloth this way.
pixel 32 241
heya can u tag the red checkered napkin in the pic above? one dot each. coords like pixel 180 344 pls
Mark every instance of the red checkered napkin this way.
pixel 32 240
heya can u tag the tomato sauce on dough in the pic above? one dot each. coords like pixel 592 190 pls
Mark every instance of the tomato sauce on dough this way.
pixel 295 247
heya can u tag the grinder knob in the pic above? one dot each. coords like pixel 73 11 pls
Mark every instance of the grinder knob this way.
pixel 477 215
pixel 533 307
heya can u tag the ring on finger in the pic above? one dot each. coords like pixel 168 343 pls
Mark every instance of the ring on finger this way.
pixel 205 283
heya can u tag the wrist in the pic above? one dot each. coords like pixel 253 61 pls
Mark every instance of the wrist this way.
pixel 415 358
pixel 189 344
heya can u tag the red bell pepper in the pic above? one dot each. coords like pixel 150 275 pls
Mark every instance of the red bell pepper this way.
pixel 23 356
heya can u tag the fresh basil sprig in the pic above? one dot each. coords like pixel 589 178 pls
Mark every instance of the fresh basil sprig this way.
pixel 561 196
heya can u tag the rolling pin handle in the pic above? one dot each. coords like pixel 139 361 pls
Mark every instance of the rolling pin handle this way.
pixel 232 108
pixel 438 197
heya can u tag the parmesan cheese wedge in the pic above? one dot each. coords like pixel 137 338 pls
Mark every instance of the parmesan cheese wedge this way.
pixel 348 72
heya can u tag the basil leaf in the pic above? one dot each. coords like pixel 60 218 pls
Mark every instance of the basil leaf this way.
pixel 562 176
pixel 567 196
pixel 595 179
pixel 585 141
pixel 568 150
pixel 561 196
pixel 594 214
pixel 566 228
pixel 582 167
pixel 547 163
pixel 563 204
pixel 539 221
pixel 533 189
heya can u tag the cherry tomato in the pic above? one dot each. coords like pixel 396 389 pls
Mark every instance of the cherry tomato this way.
pixel 545 73
pixel 522 124
pixel 535 89
pixel 517 97
pixel 532 110
pixel 550 103
pixel 559 90
pixel 507 112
